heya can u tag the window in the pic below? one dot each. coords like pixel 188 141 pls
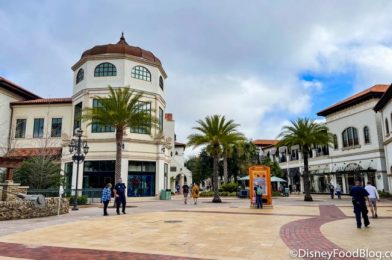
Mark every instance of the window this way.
pixel 56 127
pixel 146 107
pixel 350 137
pixel 335 142
pixel 161 82
pixel 78 115
pixel 173 169
pixel 140 72
pixel 80 76
pixel 105 69
pixel 99 128
pixel 386 127
pixel 366 135
pixel 38 128
pixel 20 128
pixel 161 119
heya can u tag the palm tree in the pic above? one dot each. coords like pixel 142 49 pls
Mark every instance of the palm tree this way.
pixel 228 147
pixel 121 109
pixel 214 132
pixel 306 133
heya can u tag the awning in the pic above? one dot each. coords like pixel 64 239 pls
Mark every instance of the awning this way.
pixel 14 157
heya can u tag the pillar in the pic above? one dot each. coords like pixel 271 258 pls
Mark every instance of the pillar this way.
pixel 9 175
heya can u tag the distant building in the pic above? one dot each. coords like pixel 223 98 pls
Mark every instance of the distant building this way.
pixel 30 122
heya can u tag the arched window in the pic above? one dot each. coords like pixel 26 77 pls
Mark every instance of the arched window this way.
pixel 366 135
pixel 140 72
pixel 105 69
pixel 80 76
pixel 386 127
pixel 350 137
pixel 335 142
pixel 161 82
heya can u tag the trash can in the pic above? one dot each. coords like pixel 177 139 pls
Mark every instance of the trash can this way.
pixel 168 194
pixel 286 192
pixel 165 195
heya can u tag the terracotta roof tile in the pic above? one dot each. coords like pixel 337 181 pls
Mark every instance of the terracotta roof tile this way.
pixel 11 86
pixel 375 91
pixel 265 142
pixel 29 152
pixel 43 101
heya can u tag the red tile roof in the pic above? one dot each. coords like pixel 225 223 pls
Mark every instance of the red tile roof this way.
pixel 43 101
pixel 374 92
pixel 265 142
pixel 29 152
pixel 11 86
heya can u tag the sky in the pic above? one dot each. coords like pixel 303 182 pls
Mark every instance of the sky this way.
pixel 260 63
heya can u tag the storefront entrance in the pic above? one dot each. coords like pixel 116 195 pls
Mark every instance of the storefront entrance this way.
pixel 96 174
pixel 141 179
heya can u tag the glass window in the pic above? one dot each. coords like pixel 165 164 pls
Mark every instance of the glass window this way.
pixel 335 142
pixel 68 175
pixel 161 119
pixel 99 128
pixel 80 76
pixel 350 137
pixel 20 130
pixel 366 135
pixel 146 107
pixel 78 115
pixel 140 72
pixel 161 82
pixel 105 69
pixel 56 127
pixel 386 127
pixel 38 128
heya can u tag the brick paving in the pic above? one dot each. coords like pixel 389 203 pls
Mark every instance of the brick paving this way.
pixel 56 253
pixel 305 234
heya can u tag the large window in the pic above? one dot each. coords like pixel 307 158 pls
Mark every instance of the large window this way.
pixel 56 127
pixel 161 82
pixel 161 119
pixel 99 128
pixel 140 72
pixel 20 130
pixel 366 135
pixel 141 179
pixel 80 76
pixel 350 137
pixel 78 115
pixel 335 142
pixel 146 107
pixel 105 69
pixel 38 128
pixel 386 127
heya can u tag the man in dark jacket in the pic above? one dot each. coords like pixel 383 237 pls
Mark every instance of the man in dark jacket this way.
pixel 119 194
pixel 359 197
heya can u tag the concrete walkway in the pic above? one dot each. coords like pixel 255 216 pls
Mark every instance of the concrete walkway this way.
pixel 154 229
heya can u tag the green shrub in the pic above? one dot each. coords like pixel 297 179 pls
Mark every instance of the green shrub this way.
pixel 82 200
pixel 384 194
pixel 206 194
pixel 229 187
pixel 276 194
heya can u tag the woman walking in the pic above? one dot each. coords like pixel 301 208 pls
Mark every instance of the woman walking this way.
pixel 106 197
pixel 195 193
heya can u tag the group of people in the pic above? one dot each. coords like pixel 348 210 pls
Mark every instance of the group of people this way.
pixel 119 197
pixel 194 192
pixel 333 192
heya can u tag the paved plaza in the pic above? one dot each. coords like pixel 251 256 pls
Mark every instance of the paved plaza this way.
pixel 154 229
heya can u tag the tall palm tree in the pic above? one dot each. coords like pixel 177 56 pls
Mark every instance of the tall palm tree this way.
pixel 305 133
pixel 228 147
pixel 121 109
pixel 214 131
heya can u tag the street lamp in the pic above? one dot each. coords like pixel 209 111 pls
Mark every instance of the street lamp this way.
pixel 75 146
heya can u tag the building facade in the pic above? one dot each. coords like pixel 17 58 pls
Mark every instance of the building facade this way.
pixel 51 123
pixel 357 151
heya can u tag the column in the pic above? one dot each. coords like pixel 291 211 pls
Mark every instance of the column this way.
pixel 181 182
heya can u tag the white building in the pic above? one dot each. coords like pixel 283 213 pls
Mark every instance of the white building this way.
pixel 357 153
pixel 50 123
pixel 384 108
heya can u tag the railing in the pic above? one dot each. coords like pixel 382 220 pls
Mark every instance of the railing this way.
pixel 93 195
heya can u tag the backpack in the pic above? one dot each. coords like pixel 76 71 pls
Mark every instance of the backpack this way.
pixel 259 191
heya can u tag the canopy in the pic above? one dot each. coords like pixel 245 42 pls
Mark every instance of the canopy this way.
pixel 273 179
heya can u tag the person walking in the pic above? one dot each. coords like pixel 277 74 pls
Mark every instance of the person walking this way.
pixel 106 197
pixel 359 196
pixel 185 192
pixel 119 194
pixel 331 190
pixel 373 198
pixel 338 191
pixel 259 193
pixel 195 193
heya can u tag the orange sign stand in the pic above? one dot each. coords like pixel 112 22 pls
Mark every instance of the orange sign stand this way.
pixel 260 174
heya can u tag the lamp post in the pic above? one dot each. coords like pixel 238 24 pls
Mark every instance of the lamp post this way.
pixel 75 146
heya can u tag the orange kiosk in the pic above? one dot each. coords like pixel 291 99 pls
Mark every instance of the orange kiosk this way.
pixel 260 174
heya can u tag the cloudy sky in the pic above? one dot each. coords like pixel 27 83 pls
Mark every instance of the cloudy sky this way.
pixel 260 63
